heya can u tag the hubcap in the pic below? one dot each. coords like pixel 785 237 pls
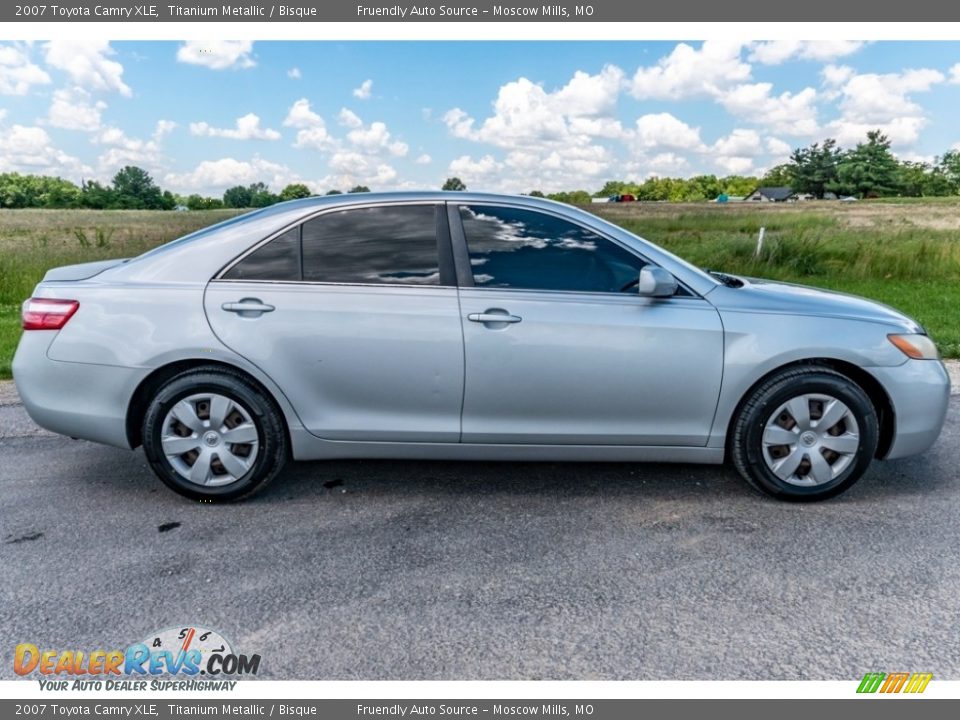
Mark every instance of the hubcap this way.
pixel 810 440
pixel 210 439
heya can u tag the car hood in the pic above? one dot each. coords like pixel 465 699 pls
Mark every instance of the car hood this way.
pixel 781 298
pixel 82 271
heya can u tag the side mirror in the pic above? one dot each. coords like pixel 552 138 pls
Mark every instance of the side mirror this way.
pixel 656 282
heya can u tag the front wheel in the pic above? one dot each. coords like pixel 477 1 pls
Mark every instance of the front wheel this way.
pixel 806 434
pixel 211 434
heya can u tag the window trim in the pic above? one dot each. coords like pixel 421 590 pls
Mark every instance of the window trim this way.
pixel 461 252
pixel 445 257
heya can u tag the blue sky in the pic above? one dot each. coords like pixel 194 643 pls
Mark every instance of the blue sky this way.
pixel 505 116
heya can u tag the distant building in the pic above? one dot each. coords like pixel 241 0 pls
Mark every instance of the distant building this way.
pixel 802 197
pixel 770 194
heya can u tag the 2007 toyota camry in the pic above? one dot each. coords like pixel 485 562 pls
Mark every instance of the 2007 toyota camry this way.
pixel 466 326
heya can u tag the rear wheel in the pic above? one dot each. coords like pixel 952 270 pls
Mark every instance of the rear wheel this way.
pixel 805 434
pixel 211 434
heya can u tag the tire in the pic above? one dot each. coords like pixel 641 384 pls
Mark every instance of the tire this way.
pixel 184 415
pixel 791 470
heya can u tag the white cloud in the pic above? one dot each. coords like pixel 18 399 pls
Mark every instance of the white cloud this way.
pixel 689 72
pixel 301 116
pixel 423 159
pixel 215 176
pixel 354 168
pixel 370 139
pixel 121 149
pixel 880 98
pixel 31 150
pixel 787 113
pixel 363 92
pixel 663 130
pixel 779 148
pixel 88 65
pixel 775 52
pixel 475 171
pixel 348 118
pixel 526 115
pixel 312 131
pixel 836 75
pixel 294 73
pixel 164 127
pixel 872 101
pixel 316 138
pixel 735 165
pixel 17 73
pixel 74 109
pixel 739 142
pixel 587 94
pixel 902 131
pixel 245 128
pixel 217 54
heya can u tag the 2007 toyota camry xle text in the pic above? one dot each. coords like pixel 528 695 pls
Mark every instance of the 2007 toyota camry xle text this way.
pixel 466 326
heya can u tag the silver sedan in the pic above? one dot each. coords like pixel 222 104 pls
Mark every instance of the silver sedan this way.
pixel 466 326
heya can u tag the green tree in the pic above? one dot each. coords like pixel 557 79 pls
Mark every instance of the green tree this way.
pixel 870 169
pixel 574 197
pixel 615 187
pixel 949 166
pixel 454 183
pixel 23 191
pixel 134 188
pixel 96 196
pixel 260 195
pixel 237 197
pixel 334 192
pixel 536 193
pixel 739 185
pixel 295 191
pixel 780 176
pixel 815 169
pixel 359 189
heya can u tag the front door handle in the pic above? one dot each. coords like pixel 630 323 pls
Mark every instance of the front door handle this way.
pixel 248 307
pixel 494 315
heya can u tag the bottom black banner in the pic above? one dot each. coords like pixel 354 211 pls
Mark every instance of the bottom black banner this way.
pixel 875 708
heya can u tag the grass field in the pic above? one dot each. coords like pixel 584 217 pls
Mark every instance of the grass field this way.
pixel 906 254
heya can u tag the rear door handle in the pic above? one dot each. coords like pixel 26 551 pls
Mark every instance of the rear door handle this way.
pixel 248 307
pixel 494 315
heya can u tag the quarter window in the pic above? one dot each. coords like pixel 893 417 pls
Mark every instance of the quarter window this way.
pixel 380 245
pixel 278 260
pixel 525 249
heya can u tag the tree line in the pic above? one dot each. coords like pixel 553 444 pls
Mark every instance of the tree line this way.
pixel 132 188
pixel 868 170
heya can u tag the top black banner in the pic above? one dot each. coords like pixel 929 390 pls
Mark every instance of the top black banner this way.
pixel 467 11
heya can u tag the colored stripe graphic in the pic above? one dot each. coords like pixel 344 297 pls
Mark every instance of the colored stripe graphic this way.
pixel 895 682
pixel 871 682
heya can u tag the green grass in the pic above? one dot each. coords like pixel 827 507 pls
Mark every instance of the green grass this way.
pixel 9 335
pixel 905 254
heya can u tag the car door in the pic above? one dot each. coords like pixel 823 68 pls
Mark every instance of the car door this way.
pixel 354 315
pixel 561 349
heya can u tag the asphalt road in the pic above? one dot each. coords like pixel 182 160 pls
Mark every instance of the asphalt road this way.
pixel 429 570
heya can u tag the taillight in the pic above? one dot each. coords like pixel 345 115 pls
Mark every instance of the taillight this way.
pixel 47 313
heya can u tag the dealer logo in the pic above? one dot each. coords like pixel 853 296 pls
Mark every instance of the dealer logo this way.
pixel 186 652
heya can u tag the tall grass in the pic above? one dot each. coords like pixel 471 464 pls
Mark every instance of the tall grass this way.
pixel 33 241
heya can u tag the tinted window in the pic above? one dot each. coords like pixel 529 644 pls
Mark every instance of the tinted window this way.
pixel 393 245
pixel 517 248
pixel 279 259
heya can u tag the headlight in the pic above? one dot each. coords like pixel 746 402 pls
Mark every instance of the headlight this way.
pixel 918 347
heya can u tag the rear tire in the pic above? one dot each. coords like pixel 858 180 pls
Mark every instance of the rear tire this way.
pixel 210 434
pixel 805 434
